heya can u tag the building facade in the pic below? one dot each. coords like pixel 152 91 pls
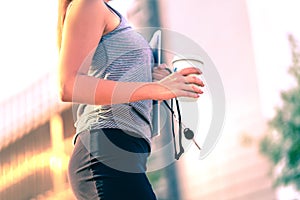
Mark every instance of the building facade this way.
pixel 234 169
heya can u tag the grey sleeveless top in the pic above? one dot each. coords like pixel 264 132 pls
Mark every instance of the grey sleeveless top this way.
pixel 122 55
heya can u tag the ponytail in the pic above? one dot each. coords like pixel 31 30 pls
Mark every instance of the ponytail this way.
pixel 62 9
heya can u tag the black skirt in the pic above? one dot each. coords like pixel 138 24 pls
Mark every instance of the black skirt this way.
pixel 110 164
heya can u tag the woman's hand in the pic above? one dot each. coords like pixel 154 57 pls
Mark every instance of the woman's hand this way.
pixel 179 84
pixel 159 72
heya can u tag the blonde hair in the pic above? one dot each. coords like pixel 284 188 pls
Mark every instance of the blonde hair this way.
pixel 62 8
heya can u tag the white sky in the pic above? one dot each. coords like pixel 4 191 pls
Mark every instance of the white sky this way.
pixel 27 43
pixel 271 22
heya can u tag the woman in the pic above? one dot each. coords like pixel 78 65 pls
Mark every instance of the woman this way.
pixel 106 68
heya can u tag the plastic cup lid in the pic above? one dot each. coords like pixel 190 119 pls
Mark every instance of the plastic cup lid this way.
pixel 187 58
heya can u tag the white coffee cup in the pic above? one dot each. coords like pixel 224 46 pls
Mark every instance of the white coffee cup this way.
pixel 181 62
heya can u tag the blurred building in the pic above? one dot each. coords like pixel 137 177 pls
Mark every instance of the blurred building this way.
pixel 235 169
pixel 36 143
pixel 37 128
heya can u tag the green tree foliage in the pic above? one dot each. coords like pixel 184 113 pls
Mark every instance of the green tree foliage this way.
pixel 282 144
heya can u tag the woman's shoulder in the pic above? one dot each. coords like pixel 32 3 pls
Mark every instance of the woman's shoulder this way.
pixel 87 10
pixel 87 2
pixel 88 5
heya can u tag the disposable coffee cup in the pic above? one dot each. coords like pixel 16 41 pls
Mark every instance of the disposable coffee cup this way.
pixel 181 62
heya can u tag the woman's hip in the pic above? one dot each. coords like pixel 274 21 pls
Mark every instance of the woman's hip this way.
pixel 104 161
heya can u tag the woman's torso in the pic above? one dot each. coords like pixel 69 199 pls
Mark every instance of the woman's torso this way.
pixel 121 55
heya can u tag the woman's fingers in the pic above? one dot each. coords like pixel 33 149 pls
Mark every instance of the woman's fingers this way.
pixel 194 80
pixel 162 66
pixel 161 71
pixel 157 76
pixel 192 88
pixel 188 83
pixel 190 70
pixel 187 93
pixel 184 83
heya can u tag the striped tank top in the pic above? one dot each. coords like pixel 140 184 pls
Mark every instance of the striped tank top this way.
pixel 121 55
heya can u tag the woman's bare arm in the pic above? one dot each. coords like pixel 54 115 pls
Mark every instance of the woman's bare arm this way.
pixel 84 24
